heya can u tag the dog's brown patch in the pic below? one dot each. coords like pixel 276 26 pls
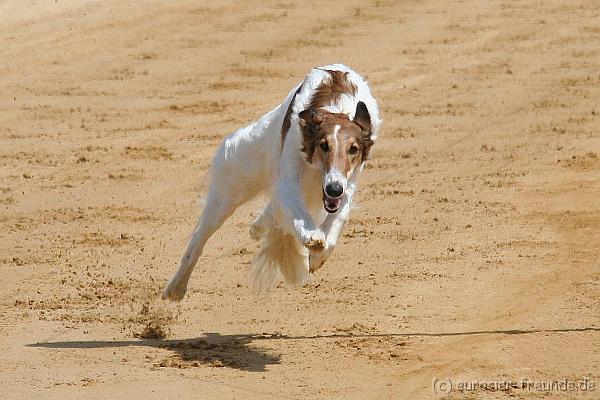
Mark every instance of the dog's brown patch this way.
pixel 327 93
pixel 332 138
pixel 331 89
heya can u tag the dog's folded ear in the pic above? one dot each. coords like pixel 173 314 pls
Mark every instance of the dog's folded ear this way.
pixel 362 118
pixel 310 119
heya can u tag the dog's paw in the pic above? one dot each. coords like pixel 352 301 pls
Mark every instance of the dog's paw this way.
pixel 315 241
pixel 174 292
pixel 315 261
pixel 255 232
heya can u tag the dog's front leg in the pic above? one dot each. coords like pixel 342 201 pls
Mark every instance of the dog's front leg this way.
pixel 332 228
pixel 295 217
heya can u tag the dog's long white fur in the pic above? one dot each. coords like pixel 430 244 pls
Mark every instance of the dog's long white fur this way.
pixel 253 160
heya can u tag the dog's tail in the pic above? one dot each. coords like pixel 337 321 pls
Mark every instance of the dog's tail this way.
pixel 280 258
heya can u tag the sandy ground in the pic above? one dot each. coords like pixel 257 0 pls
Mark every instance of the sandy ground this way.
pixel 473 254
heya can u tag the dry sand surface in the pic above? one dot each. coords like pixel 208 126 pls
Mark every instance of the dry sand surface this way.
pixel 473 253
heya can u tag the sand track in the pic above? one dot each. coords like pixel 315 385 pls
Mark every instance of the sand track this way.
pixel 472 255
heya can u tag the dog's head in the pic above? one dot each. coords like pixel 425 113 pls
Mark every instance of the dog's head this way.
pixel 336 146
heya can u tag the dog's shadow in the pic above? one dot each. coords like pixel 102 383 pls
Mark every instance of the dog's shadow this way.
pixel 236 351
pixel 212 349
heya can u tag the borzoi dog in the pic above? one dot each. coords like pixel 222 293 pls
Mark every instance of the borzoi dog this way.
pixel 307 154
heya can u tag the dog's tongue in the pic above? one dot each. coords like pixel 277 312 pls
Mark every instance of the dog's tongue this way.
pixel 331 205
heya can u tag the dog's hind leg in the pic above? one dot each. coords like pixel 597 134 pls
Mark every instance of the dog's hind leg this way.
pixel 219 206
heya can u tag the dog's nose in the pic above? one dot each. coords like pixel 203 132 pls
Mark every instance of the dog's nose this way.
pixel 334 190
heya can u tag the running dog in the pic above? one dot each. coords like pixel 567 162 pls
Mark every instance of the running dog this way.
pixel 307 154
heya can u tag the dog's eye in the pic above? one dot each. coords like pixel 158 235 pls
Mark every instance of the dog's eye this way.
pixel 324 146
pixel 353 150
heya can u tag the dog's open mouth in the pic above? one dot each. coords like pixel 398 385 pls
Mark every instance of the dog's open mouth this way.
pixel 331 205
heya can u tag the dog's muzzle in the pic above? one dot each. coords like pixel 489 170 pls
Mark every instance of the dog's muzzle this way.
pixel 332 197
